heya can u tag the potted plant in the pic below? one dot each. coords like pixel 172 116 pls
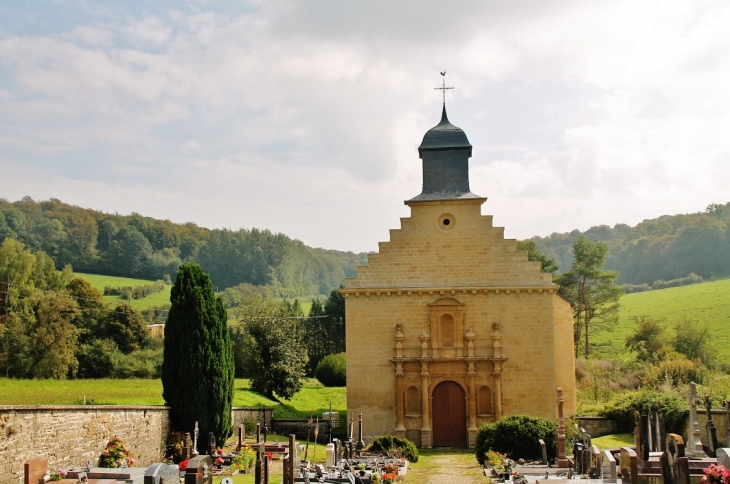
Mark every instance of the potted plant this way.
pixel 361 468
pixel 716 474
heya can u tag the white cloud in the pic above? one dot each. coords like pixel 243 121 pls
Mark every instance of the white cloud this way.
pixel 579 112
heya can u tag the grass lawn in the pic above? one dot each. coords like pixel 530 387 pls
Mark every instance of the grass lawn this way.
pixel 613 441
pixel 312 397
pixel 708 302
pixel 153 300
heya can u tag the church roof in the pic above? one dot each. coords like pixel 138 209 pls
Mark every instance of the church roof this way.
pixel 444 136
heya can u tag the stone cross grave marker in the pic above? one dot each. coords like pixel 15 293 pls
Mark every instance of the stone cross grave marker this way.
pixel 711 431
pixel 196 432
pixel 693 444
pixel 211 443
pixel 34 469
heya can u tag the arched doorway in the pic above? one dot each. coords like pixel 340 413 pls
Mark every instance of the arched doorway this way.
pixel 449 415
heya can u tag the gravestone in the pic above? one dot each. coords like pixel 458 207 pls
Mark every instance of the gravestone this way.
pixel 596 462
pixel 675 448
pixel 609 467
pixel 562 459
pixel 681 471
pixel 643 450
pixel 712 446
pixel 578 455
pixel 723 457
pixel 543 451
pixel 211 443
pixel 187 446
pixel 161 473
pixel 666 469
pixel 661 431
pixel 241 437
pixel 196 433
pixel 693 444
pixel 199 470
pixel 629 466
pixel 34 469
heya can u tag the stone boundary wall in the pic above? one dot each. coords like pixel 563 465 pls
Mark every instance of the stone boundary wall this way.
pixel 71 435
pixel 597 426
pixel 239 415
pixel 300 428
pixel 719 418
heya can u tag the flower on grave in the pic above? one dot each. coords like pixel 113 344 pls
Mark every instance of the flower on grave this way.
pixel 183 464
pixel 116 454
pixel 244 460
pixel 219 451
pixel 269 456
pixel 219 461
pixel 716 474
pixel 389 478
pixel 391 468
pixel 500 462
pixel 57 474
pixel 375 478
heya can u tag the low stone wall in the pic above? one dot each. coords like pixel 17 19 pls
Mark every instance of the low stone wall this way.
pixel 719 418
pixel 71 435
pixel 300 427
pixel 239 415
pixel 597 426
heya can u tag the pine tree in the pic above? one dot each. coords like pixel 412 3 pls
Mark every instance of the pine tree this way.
pixel 197 369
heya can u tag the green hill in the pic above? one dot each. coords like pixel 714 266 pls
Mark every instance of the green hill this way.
pixel 99 282
pixel 706 302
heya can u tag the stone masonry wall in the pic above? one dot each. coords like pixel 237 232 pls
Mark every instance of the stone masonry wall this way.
pixel 71 435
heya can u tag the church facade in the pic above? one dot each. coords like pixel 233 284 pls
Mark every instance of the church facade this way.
pixel 449 325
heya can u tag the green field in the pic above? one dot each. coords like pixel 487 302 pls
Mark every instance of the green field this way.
pixel 153 300
pixel 312 397
pixel 708 302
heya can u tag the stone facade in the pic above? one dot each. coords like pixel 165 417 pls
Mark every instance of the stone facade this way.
pixel 71 435
pixel 450 326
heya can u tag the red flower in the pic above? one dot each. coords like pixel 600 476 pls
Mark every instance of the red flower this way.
pixel 183 465
pixel 219 461
pixel 269 455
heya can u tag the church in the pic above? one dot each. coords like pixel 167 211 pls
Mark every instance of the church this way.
pixel 450 326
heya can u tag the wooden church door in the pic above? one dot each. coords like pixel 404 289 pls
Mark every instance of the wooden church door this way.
pixel 449 415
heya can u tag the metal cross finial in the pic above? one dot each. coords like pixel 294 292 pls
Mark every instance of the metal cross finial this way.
pixel 443 87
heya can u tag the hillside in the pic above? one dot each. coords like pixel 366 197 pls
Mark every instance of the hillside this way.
pixel 99 282
pixel 142 247
pixel 665 248
pixel 706 302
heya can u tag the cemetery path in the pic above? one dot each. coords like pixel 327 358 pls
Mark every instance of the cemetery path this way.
pixel 446 466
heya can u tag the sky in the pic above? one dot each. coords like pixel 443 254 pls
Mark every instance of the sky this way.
pixel 305 117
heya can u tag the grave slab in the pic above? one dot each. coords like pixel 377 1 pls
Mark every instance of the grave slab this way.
pixel 34 469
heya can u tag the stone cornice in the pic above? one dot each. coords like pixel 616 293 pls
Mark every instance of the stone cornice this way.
pixel 449 291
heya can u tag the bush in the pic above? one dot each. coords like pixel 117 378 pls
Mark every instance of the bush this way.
pixel 517 436
pixel 404 447
pixel 621 409
pixel 673 372
pixel 332 371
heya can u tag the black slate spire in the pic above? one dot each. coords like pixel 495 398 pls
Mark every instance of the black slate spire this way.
pixel 445 151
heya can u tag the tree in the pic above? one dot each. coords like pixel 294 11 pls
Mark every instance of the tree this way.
pixel 647 339
pixel 593 292
pixel 547 264
pixel 276 355
pixel 197 367
pixel 334 307
pixel 127 328
pixel 694 340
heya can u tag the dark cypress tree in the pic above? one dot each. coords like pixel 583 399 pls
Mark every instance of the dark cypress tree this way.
pixel 197 370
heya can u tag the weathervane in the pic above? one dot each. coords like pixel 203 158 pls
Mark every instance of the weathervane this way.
pixel 443 87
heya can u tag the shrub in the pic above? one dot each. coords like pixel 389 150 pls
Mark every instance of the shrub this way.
pixel 621 409
pixel 332 371
pixel 517 436
pixel 404 447
pixel 673 372
pixel 175 447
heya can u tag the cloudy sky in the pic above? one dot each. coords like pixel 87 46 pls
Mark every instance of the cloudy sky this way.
pixel 304 116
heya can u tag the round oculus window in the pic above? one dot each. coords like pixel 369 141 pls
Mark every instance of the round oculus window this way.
pixel 446 222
